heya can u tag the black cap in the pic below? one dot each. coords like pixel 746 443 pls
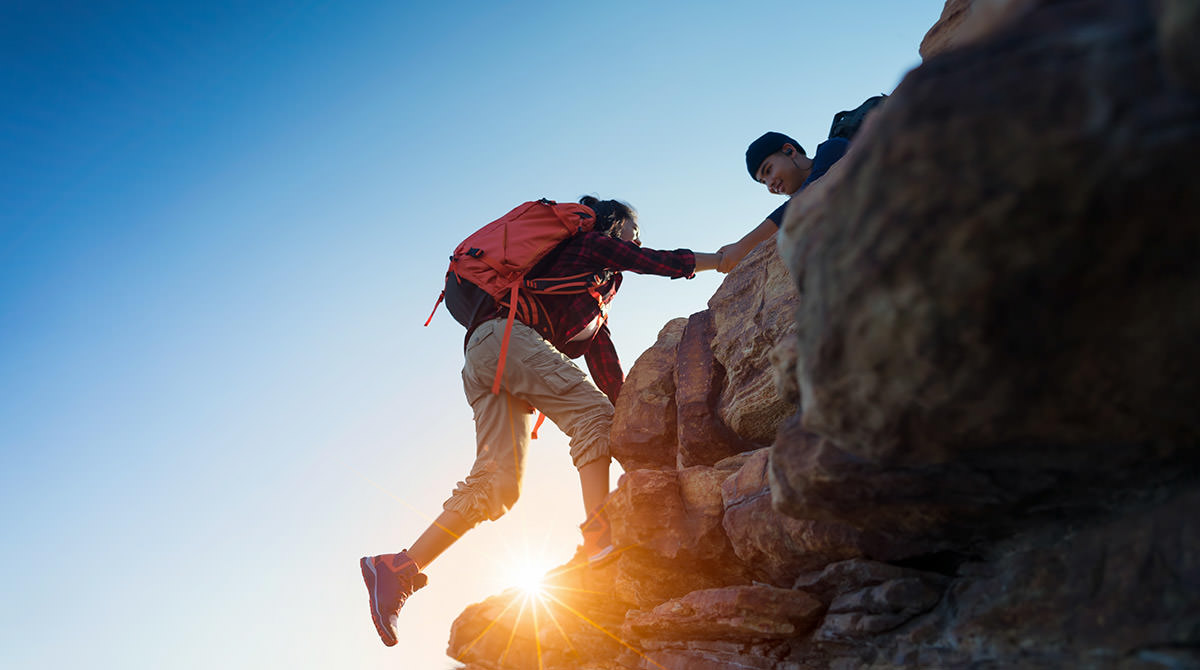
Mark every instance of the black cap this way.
pixel 764 146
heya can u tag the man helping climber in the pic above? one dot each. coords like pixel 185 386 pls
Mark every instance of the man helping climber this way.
pixel 781 164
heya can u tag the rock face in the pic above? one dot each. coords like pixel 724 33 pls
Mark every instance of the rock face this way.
pixel 752 312
pixel 777 547
pixel 939 37
pixel 978 385
pixel 1048 298
pixel 643 432
pixel 704 438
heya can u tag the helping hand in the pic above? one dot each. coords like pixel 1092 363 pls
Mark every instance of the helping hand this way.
pixel 731 255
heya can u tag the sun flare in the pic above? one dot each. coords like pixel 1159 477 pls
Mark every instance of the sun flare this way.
pixel 530 579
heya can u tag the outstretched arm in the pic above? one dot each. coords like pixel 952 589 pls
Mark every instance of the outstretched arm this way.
pixel 708 261
pixel 732 254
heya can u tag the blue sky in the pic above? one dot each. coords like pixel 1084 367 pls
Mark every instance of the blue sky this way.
pixel 221 227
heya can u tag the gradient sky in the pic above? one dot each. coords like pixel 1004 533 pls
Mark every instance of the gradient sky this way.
pixel 221 227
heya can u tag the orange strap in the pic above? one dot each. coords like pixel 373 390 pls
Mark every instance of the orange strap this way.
pixel 512 311
pixel 600 301
pixel 435 306
pixel 538 424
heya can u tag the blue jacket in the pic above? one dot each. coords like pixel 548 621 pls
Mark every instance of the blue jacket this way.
pixel 828 152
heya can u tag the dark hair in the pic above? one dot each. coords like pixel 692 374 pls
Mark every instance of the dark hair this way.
pixel 762 148
pixel 609 213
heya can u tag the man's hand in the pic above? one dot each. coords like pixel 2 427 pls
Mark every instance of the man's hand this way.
pixel 731 255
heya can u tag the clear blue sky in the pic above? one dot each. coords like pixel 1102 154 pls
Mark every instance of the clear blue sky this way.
pixel 221 227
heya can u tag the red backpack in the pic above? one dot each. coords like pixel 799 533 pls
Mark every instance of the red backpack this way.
pixel 497 257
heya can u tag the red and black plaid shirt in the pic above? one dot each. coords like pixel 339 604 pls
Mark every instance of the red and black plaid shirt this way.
pixel 569 314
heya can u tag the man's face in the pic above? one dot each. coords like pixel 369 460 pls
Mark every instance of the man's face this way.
pixel 784 171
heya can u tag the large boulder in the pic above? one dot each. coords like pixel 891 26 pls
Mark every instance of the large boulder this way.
pixel 900 511
pixel 1042 310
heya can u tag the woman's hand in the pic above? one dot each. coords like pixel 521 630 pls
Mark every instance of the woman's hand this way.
pixel 708 261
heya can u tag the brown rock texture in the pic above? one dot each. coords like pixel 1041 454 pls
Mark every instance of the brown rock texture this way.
pixel 752 312
pixel 779 547
pixel 704 438
pixel 670 513
pixel 939 37
pixel 1045 300
pixel 967 21
pixel 732 613
pixel 643 432
pixel 992 329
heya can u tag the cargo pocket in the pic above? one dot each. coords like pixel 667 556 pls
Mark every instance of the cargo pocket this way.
pixel 557 372
pixel 476 341
pixel 479 368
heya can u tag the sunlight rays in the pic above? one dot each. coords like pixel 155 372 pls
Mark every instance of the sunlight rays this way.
pixel 533 608
pixel 513 632
pixel 604 630
pixel 488 627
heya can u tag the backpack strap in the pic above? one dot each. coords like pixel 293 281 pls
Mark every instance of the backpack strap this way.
pixel 538 424
pixel 578 283
pixel 512 312
pixel 435 306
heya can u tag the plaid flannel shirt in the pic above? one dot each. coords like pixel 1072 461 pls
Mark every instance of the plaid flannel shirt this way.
pixel 570 314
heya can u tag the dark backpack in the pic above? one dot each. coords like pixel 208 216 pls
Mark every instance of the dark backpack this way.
pixel 846 124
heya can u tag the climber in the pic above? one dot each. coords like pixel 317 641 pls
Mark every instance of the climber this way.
pixel 538 372
pixel 780 163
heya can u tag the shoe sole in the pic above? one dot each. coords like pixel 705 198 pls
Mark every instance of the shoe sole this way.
pixel 370 578
pixel 603 557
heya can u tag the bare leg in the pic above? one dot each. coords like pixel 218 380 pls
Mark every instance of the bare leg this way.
pixel 593 479
pixel 443 532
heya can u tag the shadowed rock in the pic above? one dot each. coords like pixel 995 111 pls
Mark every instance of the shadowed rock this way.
pixel 777 547
pixel 1046 301
pixel 704 438
pixel 1178 25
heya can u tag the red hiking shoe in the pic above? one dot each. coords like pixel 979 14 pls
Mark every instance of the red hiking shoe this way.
pixel 597 539
pixel 390 579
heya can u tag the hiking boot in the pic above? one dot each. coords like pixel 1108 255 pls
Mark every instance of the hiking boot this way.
pixel 390 579
pixel 597 539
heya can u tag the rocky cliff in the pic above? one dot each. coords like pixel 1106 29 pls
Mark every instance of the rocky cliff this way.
pixel 952 420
